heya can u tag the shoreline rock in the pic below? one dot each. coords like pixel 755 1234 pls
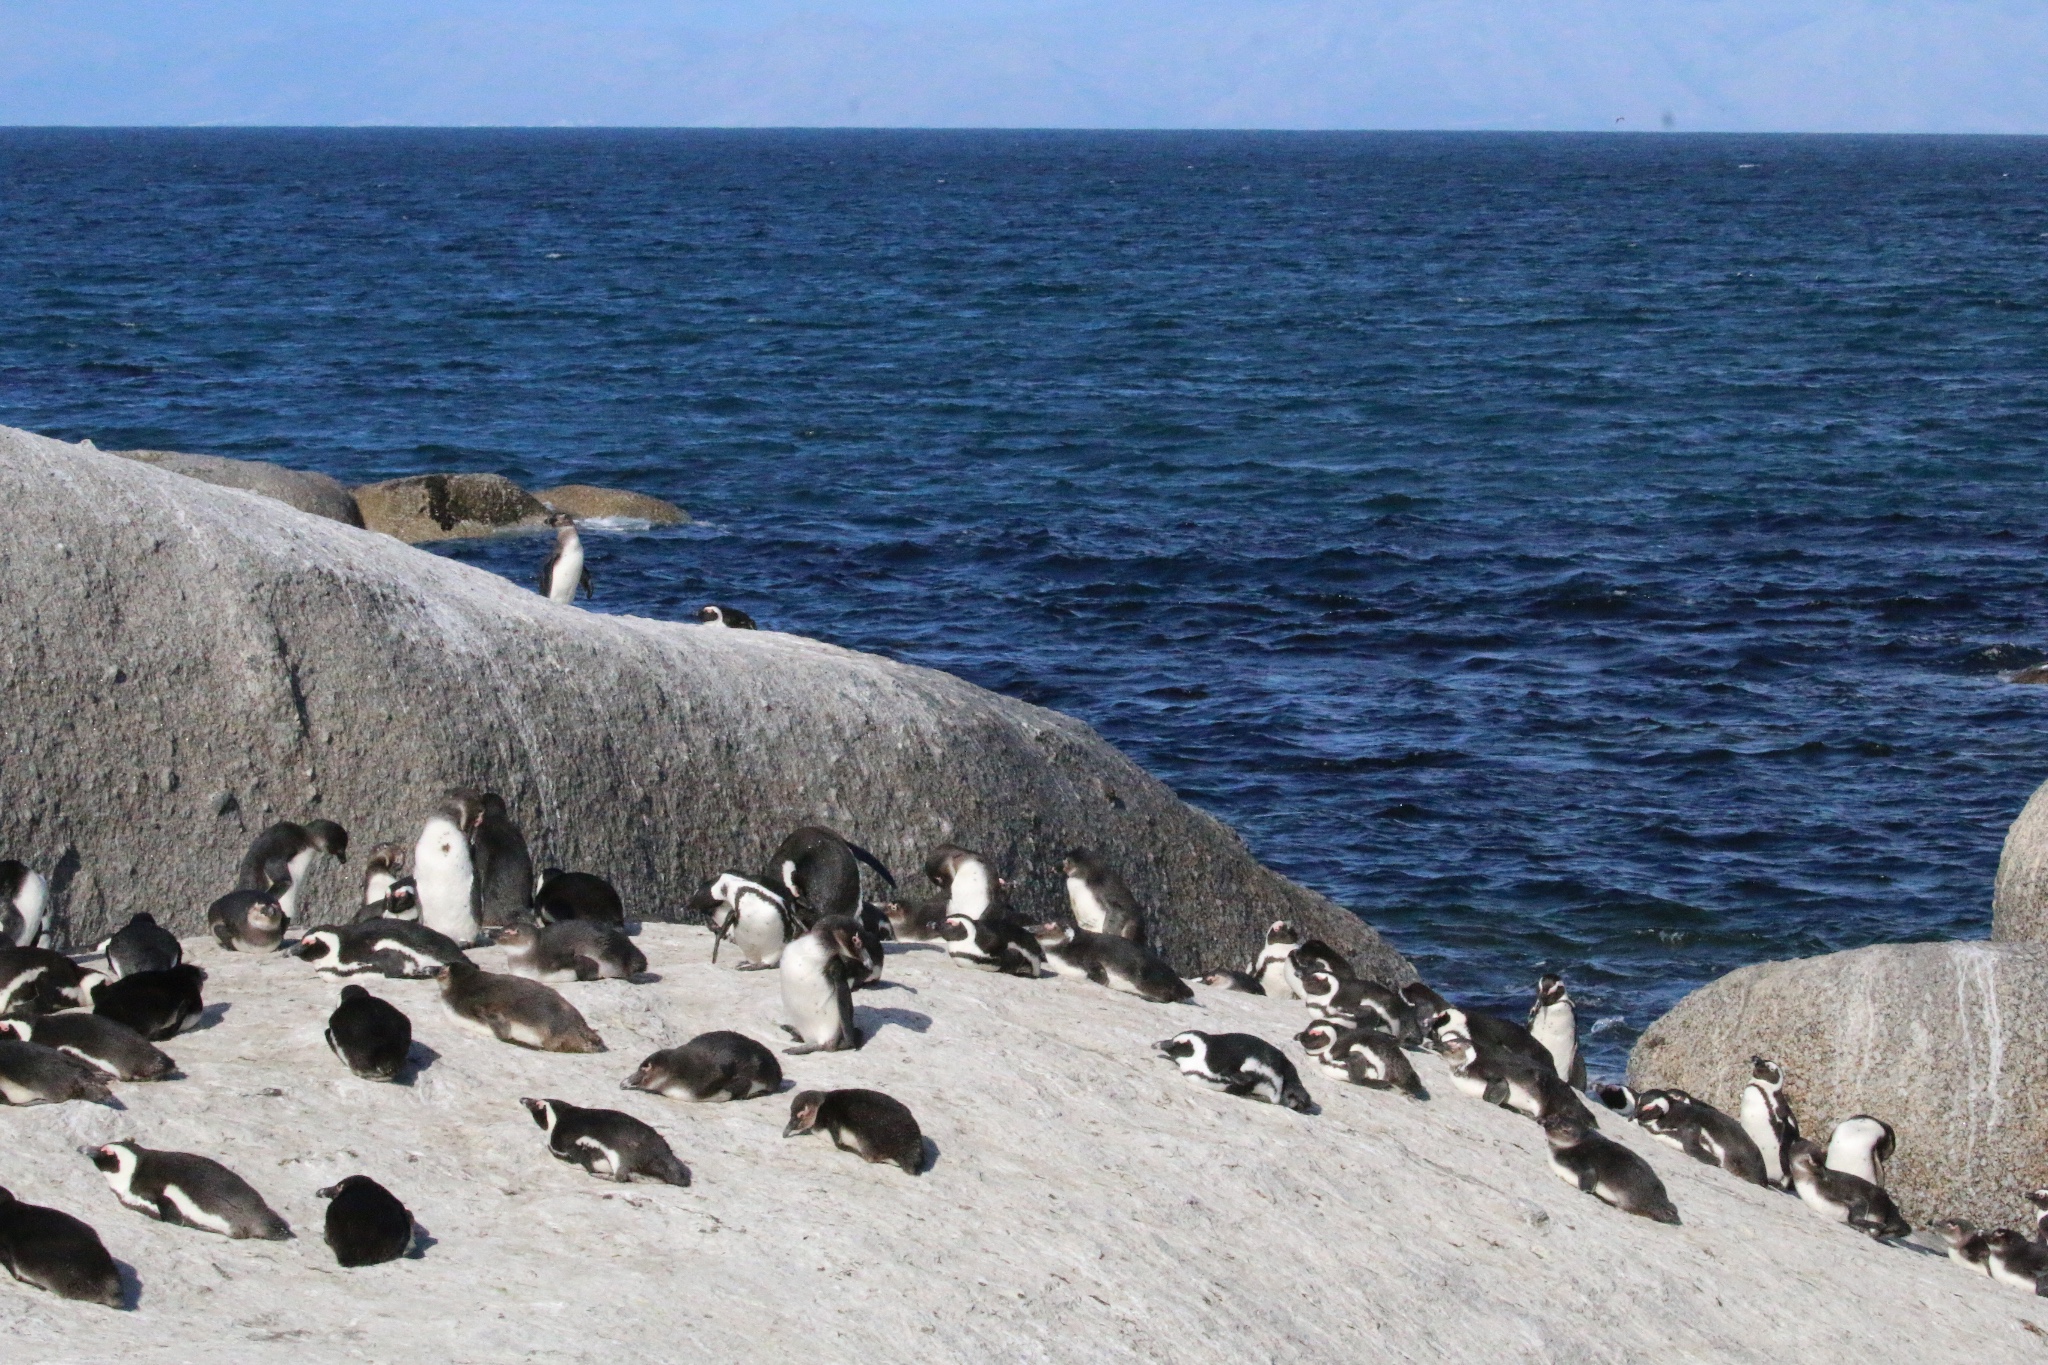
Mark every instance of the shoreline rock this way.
pixel 585 501
pixel 304 489
pixel 428 507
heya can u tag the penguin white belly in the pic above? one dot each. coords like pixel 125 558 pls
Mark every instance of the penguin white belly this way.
pixel 1474 1086
pixel 1062 965
pixel 446 880
pixel 758 934
pixel 1999 1269
pixel 29 903
pixel 606 1161
pixel 19 987
pixel 1564 1172
pixel 1810 1195
pixel 1087 907
pixel 969 895
pixel 808 995
pixel 1271 970
pixel 1117 981
pixel 377 887
pixel 15 1093
pixel 568 573
pixel 519 1031
pixel 1556 1027
pixel 188 1209
pixel 1755 1115
pixel 476 1026
pixel 288 899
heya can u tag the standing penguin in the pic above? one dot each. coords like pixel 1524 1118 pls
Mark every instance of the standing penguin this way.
pixel 1555 1024
pixel 754 918
pixel 498 858
pixel 280 857
pixel 141 945
pixel 564 573
pixel 24 896
pixel 385 865
pixel 366 1225
pixel 817 987
pixel 57 1253
pixel 1101 902
pixel 820 870
pixel 1861 1146
pixel 1767 1118
pixel 446 877
pixel 193 1191
pixel 970 884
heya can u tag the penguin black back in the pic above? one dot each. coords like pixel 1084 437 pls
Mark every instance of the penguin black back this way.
pixel 372 1037
pixel 157 1005
pixel 820 870
pixel 873 1126
pixel 578 895
pixel 55 1252
pixel 721 1065
pixel 365 1225
pixel 141 945
pixel 498 853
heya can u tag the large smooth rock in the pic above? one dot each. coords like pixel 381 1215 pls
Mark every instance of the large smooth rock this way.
pixel 1947 1042
pixel 584 501
pixel 182 673
pixel 304 489
pixel 428 507
pixel 2019 901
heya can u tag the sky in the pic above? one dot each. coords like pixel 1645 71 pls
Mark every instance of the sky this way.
pixel 1963 66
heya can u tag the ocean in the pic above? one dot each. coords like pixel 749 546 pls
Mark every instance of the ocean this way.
pixel 1580 553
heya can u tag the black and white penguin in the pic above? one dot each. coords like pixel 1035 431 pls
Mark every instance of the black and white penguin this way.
pixel 994 943
pixel 1596 1164
pixel 401 901
pixel 819 869
pixel 1225 979
pixel 157 1005
pixel 498 857
pixel 280 858
pixel 572 950
pixel 385 865
pixel 57 1253
pixel 1840 1197
pixel 2013 1259
pixel 721 1065
pixel 365 1225
pixel 607 1143
pixel 1426 1003
pixel 1099 899
pixel 1619 1098
pixel 756 919
pixel 731 618
pixel 445 876
pixel 114 1048
pixel 564 896
pixel 247 921
pixel 33 1074
pixel 971 885
pixel 1362 1001
pixel 564 573
pixel 817 972
pixel 1511 1081
pixel 1554 1023
pixel 24 899
pixel 2039 1199
pixel 141 945
pixel 372 1037
pixel 1767 1117
pixel 1365 1056
pixel 1490 1033
pixel 1702 1132
pixel 43 981
pixel 1122 964
pixel 875 931
pixel 1861 1146
pixel 514 1010
pixel 191 1191
pixel 1288 953
pixel 397 948
pixel 1238 1064
pixel 875 1127
pixel 1967 1247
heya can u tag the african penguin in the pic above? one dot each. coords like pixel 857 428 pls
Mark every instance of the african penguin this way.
pixel 514 1010
pixel 1426 1003
pixel 1861 1146
pixel 141 945
pixel 247 921
pixel 1226 979
pixel 1619 1098
pixel 573 950
pixel 1554 1023
pixel 732 618
pixel 498 858
pixel 563 573
pixel 1967 1247
pixel 993 943
pixel 2039 1199
pixel 754 918
pixel 191 1191
pixel 970 884
pixel 280 857
pixel 916 920
pixel 114 1048
pixel 1595 1164
pixel 1702 1132
pixel 1288 955
pixel 1767 1117
pixel 1238 1064
pixel 1099 898
pixel 1108 960
pixel 398 948
pixel 385 865
pixel 43 981
pixel 1362 1001
pixel 721 1065
pixel 607 1143
pixel 401 901
pixel 33 1074
pixel 1491 1034
pixel 365 1224
pixel 564 896
pixel 2012 1259
pixel 24 897
pixel 1364 1056
pixel 57 1253
pixel 817 990
pixel 446 877
pixel 157 1005
pixel 372 1037
pixel 1511 1081
pixel 1843 1198
pixel 875 1127
pixel 819 869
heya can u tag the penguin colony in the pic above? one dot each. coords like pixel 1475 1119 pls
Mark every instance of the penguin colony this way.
pixel 70 1031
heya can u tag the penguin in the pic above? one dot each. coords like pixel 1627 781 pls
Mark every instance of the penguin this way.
pixel 1861 1146
pixel 916 920
pixel 498 857
pixel 33 1074
pixel 754 918
pixel 1967 1247
pixel 875 1127
pixel 2011 1258
pixel 141 945
pixel 1226 979
pixel 2039 1199
pixel 994 943
pixel 1491 1034
pixel 1288 953
pixel 1366 1003
pixel 563 573
pixel 396 948
pixel 446 877
pixel 820 872
pixel 401 902
pixel 1121 964
pixel 1619 1098
pixel 43 981
pixel 732 618
pixel 280 857
pixel 720 1065
pixel 514 1010
pixel 157 1005
pixel 1426 1003
pixel 1844 1198
pixel 565 896
pixel 1364 1056
pixel 114 1048
pixel 875 931
pixel 24 897
pixel 385 865
pixel 372 1037
pixel 365 1225
pixel 1555 1024
pixel 57 1253
pixel 1101 902
pixel 970 884
pixel 817 993
pixel 1767 1118
pixel 1238 1064
pixel 1511 1081
pixel 247 921
pixel 1702 1132
pixel 191 1191
pixel 607 1143
pixel 573 950
pixel 1595 1164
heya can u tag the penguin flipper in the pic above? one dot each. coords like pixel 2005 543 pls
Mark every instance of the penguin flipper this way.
pixel 586 583
pixel 224 935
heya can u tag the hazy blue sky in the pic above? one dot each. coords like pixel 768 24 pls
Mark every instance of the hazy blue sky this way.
pixel 1870 65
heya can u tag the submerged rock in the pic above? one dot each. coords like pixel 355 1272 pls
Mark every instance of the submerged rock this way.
pixel 428 507
pixel 303 489
pixel 582 501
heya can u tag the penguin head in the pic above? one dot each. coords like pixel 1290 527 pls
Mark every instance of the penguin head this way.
pixel 1282 931
pixel 710 615
pixel 1955 1231
pixel 1619 1098
pixel 21 1030
pixel 317 946
pixel 1803 1156
pixel 402 901
pixel 1053 934
pixel 1318 986
pixel 647 1075
pixel 1180 1045
pixel 2038 1198
pixel 1549 990
pixel 328 837
pixel 803 1112
pixel 2006 1242
pixel 265 914
pixel 1767 1071
pixel 112 1157
pixel 1564 1127
pixel 1317 1037
pixel 518 937
pixel 956 929
pixel 557 520
pixel 944 863
pixel 1424 999
pixel 1654 1108
pixel 706 898
pixel 344 1186
pixel 387 858
pixel 354 992
pixel 543 1111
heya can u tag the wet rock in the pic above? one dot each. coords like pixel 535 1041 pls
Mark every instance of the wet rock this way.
pixel 428 507
pixel 300 488
pixel 582 501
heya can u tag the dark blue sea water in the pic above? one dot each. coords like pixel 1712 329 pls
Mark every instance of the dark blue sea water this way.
pixel 1592 553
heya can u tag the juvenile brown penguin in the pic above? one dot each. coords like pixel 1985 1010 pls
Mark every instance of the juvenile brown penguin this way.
pixel 514 1010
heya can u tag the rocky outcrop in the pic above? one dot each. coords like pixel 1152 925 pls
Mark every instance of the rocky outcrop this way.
pixel 1947 1042
pixel 303 489
pixel 2019 901
pixel 581 500
pixel 182 673
pixel 428 507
